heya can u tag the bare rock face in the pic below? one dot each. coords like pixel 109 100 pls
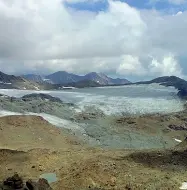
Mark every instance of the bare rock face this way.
pixel 16 183
pixel 41 96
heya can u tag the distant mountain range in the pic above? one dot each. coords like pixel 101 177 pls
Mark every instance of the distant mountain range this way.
pixel 63 77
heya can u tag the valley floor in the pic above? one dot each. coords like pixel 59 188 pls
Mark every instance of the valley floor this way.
pixel 31 146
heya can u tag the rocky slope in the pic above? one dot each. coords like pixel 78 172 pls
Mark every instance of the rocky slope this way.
pixel 35 78
pixel 11 81
pixel 37 103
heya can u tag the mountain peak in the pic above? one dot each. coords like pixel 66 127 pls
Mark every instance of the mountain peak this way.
pixel 103 79
pixel 92 73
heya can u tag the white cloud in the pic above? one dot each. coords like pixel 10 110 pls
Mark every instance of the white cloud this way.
pixel 46 36
pixel 166 67
pixel 47 30
pixel 130 65
pixel 179 13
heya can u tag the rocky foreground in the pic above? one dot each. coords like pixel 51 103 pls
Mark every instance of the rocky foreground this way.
pixel 31 147
pixel 16 182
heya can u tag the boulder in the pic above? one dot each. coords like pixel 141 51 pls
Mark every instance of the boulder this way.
pixel 42 184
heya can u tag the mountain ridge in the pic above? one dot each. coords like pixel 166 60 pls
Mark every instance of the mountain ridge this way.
pixel 90 80
pixel 63 77
pixel 174 81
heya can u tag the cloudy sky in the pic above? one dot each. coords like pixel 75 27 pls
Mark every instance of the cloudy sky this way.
pixel 136 39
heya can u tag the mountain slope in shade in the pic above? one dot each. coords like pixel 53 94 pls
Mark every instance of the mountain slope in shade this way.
pixel 4 78
pixel 83 84
pixel 63 77
pixel 168 81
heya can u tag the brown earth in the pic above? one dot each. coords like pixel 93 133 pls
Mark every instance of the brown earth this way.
pixel 31 146
pixel 170 125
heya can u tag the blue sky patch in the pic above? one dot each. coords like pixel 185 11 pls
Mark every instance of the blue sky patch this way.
pixel 96 6
pixel 102 5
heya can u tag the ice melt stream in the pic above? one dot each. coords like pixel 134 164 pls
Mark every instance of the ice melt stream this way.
pixel 51 119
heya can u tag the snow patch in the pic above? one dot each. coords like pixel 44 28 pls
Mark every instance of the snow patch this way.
pixel 68 87
pixel 1 82
pixel 184 186
pixel 8 113
pixel 36 88
pixel 178 140
pixel 46 79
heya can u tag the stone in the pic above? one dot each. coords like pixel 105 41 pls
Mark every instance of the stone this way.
pixel 113 181
pixel 14 182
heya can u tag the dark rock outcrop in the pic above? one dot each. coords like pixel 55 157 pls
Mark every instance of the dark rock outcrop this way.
pixel 182 93
pixel 178 127
pixel 41 96
pixel 14 182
